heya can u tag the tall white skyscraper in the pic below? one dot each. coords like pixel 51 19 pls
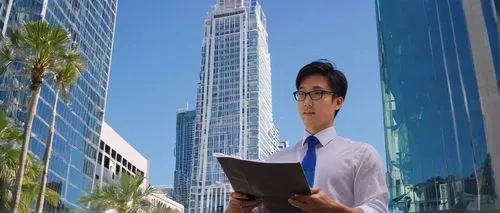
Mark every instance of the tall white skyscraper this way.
pixel 234 107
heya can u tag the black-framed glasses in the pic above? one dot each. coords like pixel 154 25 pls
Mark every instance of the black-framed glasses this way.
pixel 314 95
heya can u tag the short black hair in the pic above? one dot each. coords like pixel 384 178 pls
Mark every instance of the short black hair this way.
pixel 336 79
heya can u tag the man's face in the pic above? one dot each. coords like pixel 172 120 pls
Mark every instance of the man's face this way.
pixel 317 114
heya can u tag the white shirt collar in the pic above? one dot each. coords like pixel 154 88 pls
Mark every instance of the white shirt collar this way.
pixel 324 136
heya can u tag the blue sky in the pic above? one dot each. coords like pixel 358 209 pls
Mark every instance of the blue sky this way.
pixel 156 63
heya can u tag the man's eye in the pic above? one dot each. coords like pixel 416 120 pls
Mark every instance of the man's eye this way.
pixel 316 92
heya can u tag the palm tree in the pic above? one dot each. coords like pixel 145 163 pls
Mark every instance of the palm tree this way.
pixel 38 46
pixel 125 196
pixel 65 75
pixel 9 155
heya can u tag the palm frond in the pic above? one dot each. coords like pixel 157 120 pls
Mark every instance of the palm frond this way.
pixel 86 199
pixel 52 197
pixel 5 196
pixel 98 199
pixel 124 195
pixel 144 204
pixel 66 76
pixel 9 153
pixel 74 57
pixel 160 208
pixel 67 70
pixel 4 122
pixel 44 37
pixel 7 132
pixel 16 38
pixel 33 169
pixel 6 58
pixel 9 158
pixel 13 50
pixel 28 196
pixel 10 134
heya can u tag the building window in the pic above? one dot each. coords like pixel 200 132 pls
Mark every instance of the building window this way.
pixel 118 158
pixel 107 149
pixel 101 145
pixel 99 158
pixel 106 162
pixel 113 154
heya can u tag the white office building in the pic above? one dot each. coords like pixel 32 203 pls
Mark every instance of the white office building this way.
pixel 283 145
pixel 116 156
pixel 162 199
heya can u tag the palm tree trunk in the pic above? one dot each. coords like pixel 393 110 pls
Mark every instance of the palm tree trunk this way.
pixel 16 197
pixel 46 158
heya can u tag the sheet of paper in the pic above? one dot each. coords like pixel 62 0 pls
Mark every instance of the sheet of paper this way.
pixel 273 182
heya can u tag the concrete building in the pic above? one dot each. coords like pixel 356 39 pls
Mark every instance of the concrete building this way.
pixel 162 199
pixel 283 145
pixel 116 156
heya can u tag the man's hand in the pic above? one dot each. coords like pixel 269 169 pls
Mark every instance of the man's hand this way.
pixel 241 203
pixel 318 201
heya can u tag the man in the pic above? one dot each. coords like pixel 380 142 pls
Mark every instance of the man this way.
pixel 345 176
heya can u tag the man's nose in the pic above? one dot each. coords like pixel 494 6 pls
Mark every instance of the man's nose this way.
pixel 307 100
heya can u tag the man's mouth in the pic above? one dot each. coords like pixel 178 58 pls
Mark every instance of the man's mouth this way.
pixel 308 113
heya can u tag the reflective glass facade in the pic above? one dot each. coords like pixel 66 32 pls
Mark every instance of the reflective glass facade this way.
pixel 234 108
pixel 183 155
pixel 4 9
pixel 440 85
pixel 78 125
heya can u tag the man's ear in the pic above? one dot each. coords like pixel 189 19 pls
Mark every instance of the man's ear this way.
pixel 339 101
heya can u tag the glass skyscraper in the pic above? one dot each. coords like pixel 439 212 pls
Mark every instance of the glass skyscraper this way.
pixel 183 155
pixel 234 108
pixel 91 25
pixel 439 66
